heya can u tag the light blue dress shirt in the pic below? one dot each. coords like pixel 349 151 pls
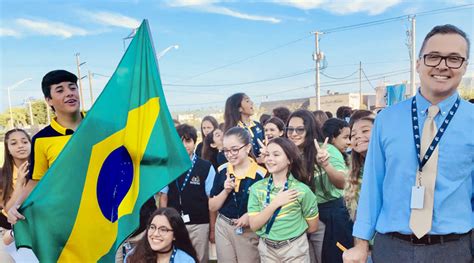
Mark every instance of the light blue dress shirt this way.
pixel 391 165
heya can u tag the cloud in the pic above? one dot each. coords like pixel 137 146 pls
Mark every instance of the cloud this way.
pixel 342 7
pixel 112 19
pixel 8 32
pixel 50 28
pixel 210 6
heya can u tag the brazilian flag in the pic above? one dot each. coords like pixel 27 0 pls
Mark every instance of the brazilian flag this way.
pixel 125 150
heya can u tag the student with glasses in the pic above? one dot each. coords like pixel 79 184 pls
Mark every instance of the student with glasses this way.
pixel 235 241
pixel 418 185
pixel 166 240
pixel 328 172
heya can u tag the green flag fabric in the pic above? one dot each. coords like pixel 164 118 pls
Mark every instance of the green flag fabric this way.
pixel 125 150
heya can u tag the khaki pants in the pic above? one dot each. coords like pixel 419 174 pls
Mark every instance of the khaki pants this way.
pixel 233 248
pixel 296 251
pixel 199 234
pixel 316 243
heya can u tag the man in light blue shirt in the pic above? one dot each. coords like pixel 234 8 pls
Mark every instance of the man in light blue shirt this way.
pixel 391 165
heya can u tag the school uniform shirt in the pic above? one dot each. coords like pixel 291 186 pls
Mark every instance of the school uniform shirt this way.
pixel 326 191
pixel 235 208
pixel 198 150
pixel 291 220
pixel 255 129
pixel 46 146
pixel 195 194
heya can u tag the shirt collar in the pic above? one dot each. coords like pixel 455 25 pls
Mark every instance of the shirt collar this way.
pixel 252 124
pixel 251 171
pixel 290 180
pixel 62 130
pixel 444 106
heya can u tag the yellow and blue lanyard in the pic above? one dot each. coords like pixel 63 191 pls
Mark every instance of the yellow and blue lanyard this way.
pixel 267 202
pixel 247 128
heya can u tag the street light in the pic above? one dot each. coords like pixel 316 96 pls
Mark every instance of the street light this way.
pixel 162 53
pixel 9 98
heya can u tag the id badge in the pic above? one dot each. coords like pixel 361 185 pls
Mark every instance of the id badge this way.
pixel 239 230
pixel 185 218
pixel 417 197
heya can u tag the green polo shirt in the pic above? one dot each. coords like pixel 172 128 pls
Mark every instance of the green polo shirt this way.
pixel 330 192
pixel 291 221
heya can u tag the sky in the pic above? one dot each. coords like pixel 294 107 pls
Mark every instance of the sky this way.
pixel 262 48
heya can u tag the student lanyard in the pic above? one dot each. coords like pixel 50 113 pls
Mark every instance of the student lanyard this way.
pixel 248 128
pixel 436 139
pixel 267 202
pixel 173 255
pixel 186 179
pixel 239 207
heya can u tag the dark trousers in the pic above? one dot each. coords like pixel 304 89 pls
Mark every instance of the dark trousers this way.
pixel 389 249
pixel 338 229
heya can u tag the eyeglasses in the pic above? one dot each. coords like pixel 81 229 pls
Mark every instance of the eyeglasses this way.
pixel 298 130
pixel 452 62
pixel 162 231
pixel 233 151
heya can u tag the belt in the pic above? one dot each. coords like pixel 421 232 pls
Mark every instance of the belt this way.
pixel 428 239
pixel 279 244
pixel 229 221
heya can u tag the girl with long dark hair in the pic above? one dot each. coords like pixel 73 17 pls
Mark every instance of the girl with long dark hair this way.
pixel 361 129
pixel 238 110
pixel 208 124
pixel 328 172
pixel 166 240
pixel 235 241
pixel 17 149
pixel 212 148
pixel 282 208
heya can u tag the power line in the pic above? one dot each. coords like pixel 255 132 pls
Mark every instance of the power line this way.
pixel 368 79
pixel 240 83
pixel 393 19
pixel 247 58
pixel 348 76
pixel 333 30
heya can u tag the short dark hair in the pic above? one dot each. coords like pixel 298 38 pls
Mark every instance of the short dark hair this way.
pixel 282 112
pixel 56 77
pixel 278 122
pixel 264 118
pixel 343 112
pixel 443 30
pixel 187 132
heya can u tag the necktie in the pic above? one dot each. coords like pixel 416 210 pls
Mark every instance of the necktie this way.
pixel 421 219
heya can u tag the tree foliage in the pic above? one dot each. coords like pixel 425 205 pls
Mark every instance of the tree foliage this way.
pixel 21 115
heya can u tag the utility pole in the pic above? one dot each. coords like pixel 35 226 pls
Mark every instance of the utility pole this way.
pixel 361 100
pixel 317 56
pixel 80 79
pixel 90 87
pixel 412 56
pixel 31 112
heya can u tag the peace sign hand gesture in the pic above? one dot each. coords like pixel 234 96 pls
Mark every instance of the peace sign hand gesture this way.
pixel 263 147
pixel 322 156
